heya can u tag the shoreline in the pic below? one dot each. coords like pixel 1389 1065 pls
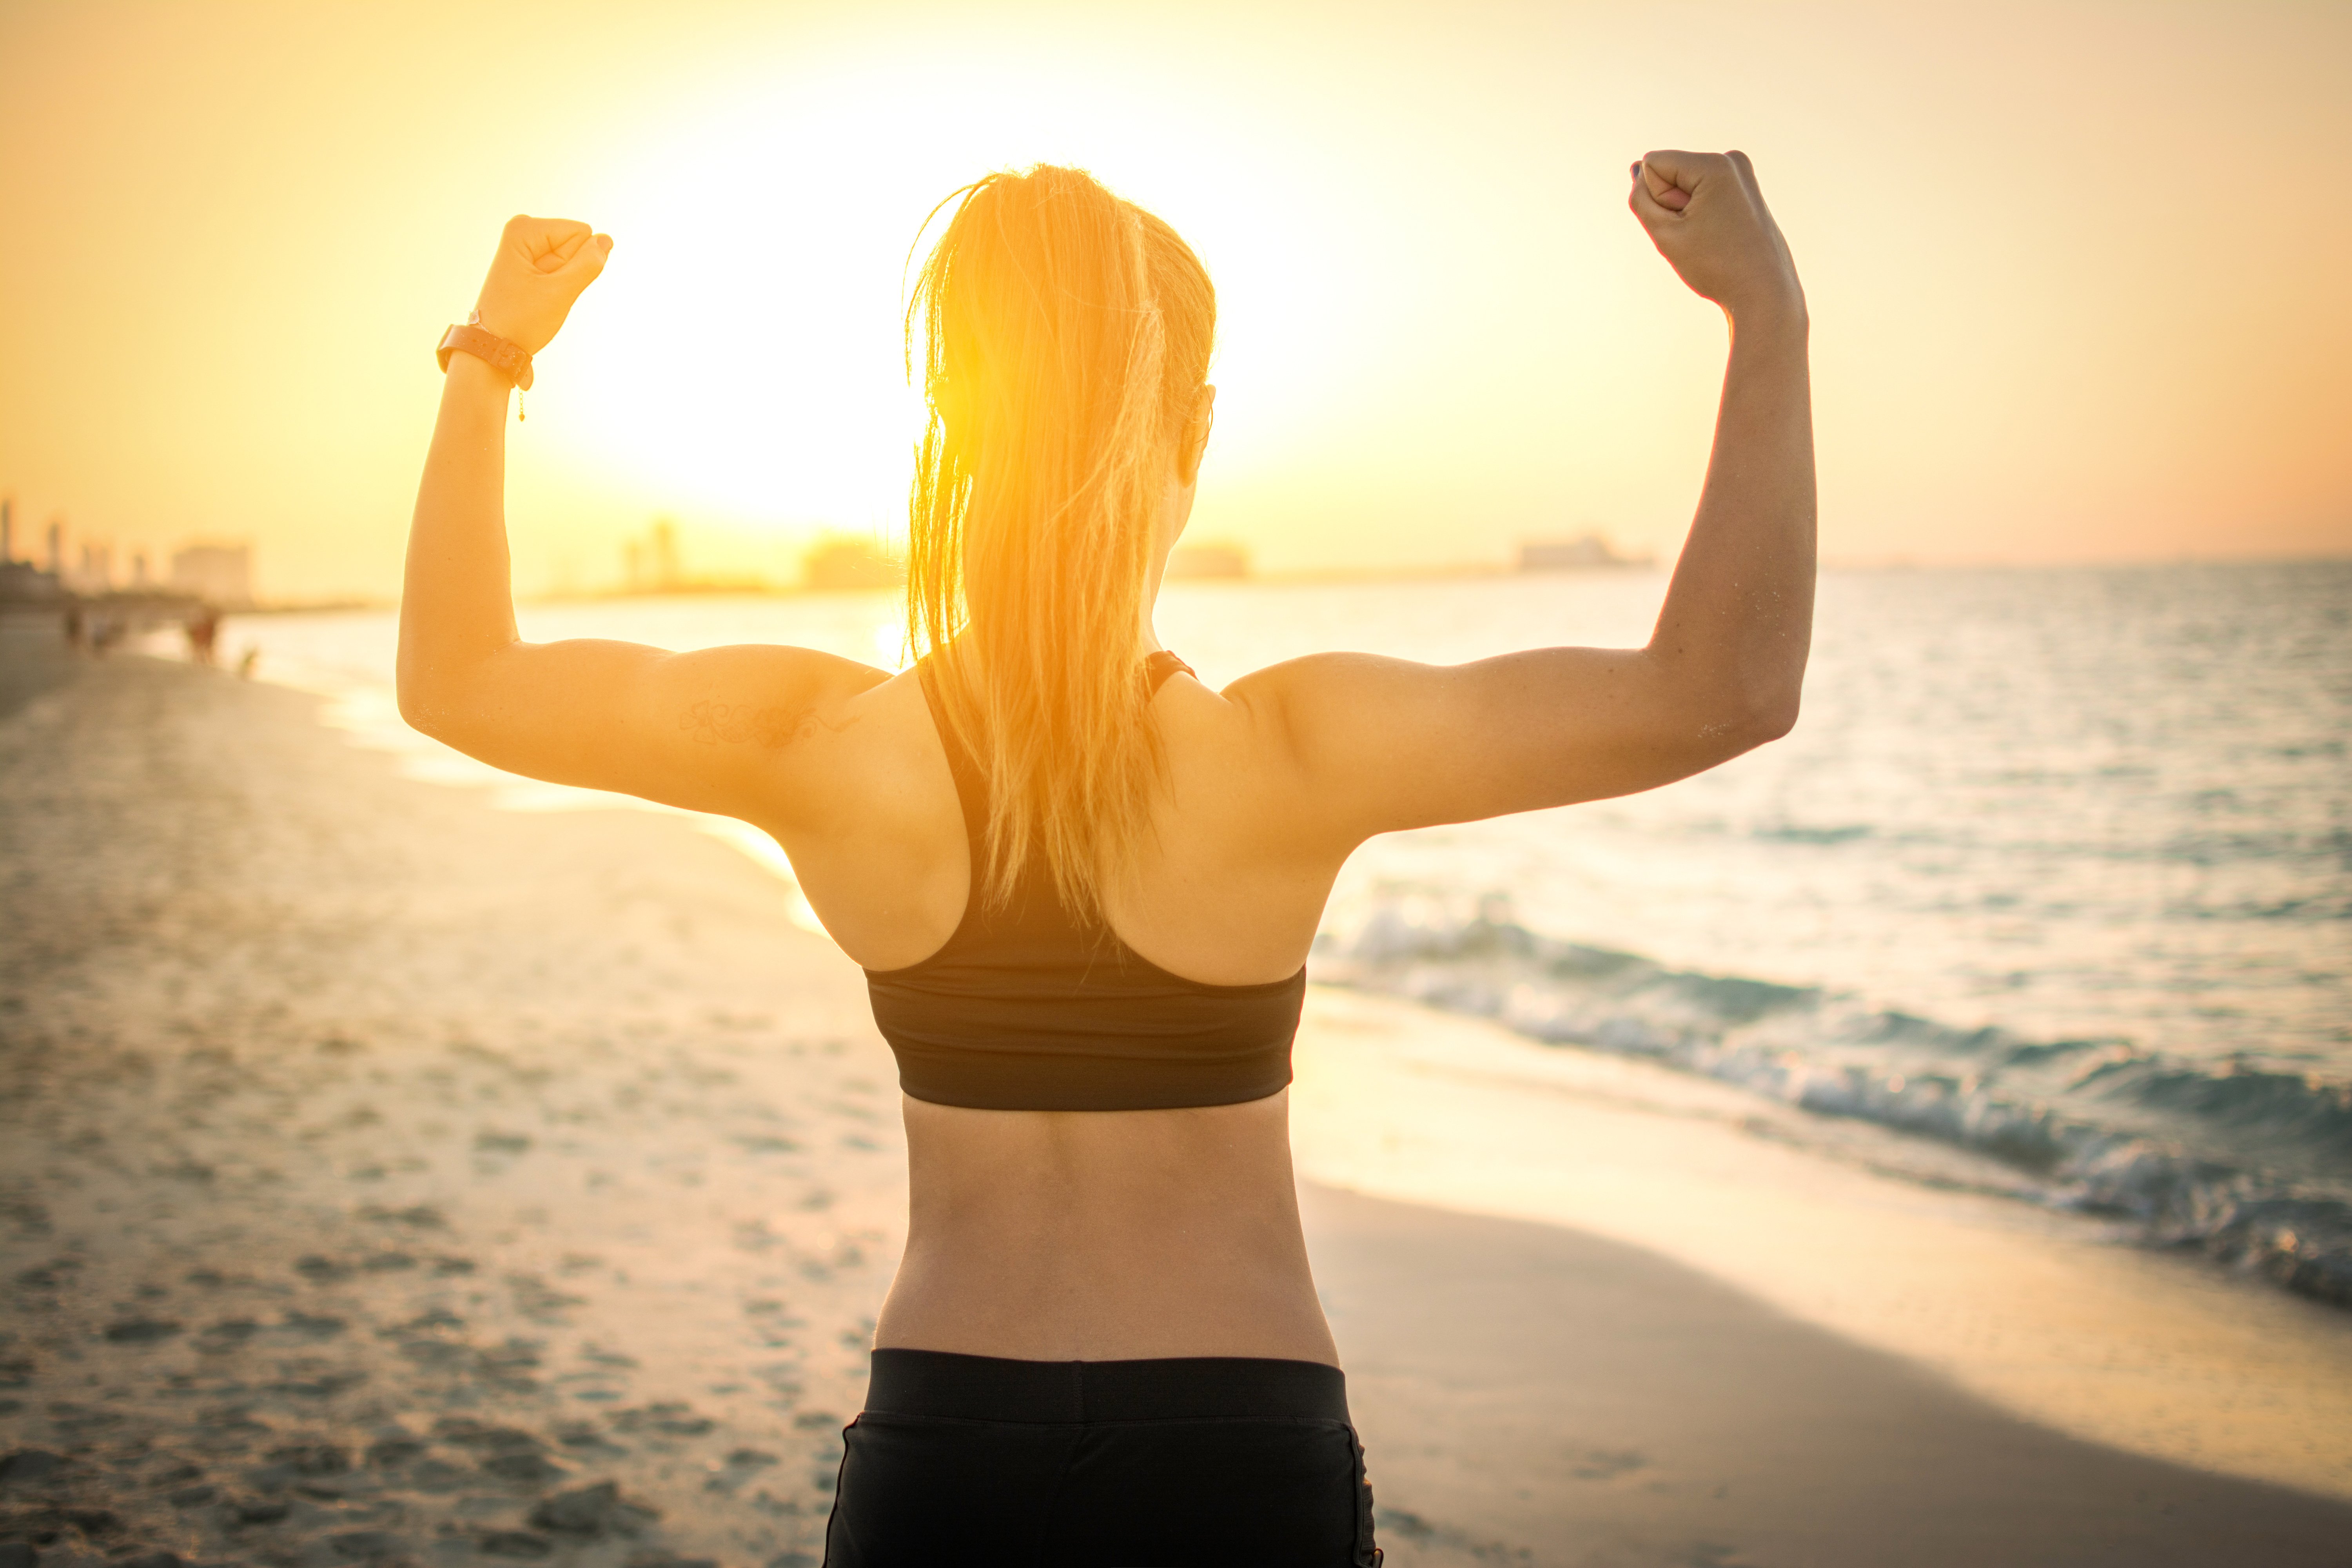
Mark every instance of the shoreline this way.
pixel 412 1168
pixel 2062 1319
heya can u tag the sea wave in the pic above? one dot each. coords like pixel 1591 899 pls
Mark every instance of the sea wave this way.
pixel 2248 1164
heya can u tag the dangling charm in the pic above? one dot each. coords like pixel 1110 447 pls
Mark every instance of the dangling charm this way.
pixel 522 411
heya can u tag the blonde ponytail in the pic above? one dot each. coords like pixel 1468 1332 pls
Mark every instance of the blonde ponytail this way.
pixel 1065 335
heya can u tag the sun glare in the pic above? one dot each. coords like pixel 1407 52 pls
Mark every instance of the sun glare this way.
pixel 744 355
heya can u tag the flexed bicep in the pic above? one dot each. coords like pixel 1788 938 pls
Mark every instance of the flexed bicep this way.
pixel 1376 744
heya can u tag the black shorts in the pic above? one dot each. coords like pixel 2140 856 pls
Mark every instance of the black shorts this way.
pixel 1200 1462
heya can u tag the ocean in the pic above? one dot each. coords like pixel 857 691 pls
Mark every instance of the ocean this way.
pixel 2056 867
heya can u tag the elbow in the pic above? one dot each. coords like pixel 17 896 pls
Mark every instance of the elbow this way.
pixel 417 710
pixel 447 693
pixel 426 705
pixel 1770 719
pixel 1767 704
pixel 1761 719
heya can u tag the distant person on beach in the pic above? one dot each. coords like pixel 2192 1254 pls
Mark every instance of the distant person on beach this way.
pixel 1083 884
pixel 203 628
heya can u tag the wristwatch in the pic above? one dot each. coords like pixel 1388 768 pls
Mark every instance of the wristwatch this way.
pixel 509 360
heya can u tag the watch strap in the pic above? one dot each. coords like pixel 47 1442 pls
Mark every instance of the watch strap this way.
pixel 509 359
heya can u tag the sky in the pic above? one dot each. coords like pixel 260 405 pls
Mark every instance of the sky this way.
pixel 2076 271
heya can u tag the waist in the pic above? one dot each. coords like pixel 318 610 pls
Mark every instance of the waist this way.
pixel 1104 1236
pixel 947 1386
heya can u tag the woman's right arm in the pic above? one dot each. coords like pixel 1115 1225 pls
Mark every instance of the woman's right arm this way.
pixel 720 730
pixel 1377 745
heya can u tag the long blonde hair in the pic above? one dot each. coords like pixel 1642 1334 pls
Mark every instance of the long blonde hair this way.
pixel 1064 337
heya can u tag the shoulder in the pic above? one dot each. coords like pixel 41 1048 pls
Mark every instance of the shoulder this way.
pixel 1326 678
pixel 773 668
pixel 1281 734
pixel 763 714
pixel 763 695
pixel 1298 701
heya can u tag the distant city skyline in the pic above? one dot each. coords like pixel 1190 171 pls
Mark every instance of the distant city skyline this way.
pixel 2070 301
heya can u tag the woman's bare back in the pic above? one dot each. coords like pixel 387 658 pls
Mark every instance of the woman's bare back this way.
pixel 1095 1236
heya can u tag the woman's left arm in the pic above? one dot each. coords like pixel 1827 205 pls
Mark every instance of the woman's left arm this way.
pixel 713 730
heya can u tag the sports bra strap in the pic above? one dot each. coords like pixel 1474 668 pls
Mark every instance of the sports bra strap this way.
pixel 971 783
pixel 1028 1007
pixel 970 780
pixel 1161 664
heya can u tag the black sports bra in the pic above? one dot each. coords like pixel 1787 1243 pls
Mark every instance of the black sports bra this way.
pixel 1024 1008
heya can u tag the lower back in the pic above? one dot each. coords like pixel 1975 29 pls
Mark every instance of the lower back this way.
pixel 1104 1236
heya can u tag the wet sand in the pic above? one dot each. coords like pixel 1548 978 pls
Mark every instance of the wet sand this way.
pixel 388 1178
pixel 1534 1395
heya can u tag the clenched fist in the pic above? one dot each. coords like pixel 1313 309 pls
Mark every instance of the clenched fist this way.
pixel 543 265
pixel 1705 214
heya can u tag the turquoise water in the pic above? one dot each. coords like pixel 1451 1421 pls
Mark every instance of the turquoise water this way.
pixel 2057 864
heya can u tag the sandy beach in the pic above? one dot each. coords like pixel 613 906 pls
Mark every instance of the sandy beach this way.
pixel 385 1177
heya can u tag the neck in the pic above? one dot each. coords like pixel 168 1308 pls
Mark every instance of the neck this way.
pixel 1147 638
pixel 1175 511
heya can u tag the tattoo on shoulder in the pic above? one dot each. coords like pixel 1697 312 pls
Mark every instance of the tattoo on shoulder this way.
pixel 738 722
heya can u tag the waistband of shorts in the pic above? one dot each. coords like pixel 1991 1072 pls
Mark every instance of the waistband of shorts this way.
pixel 1175 1388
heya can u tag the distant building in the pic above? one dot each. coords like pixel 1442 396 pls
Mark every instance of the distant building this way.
pixel 1191 561
pixel 21 579
pixel 1589 553
pixel 661 556
pixel 219 575
pixel 846 563
pixel 651 566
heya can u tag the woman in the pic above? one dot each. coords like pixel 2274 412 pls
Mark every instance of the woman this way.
pixel 1082 883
